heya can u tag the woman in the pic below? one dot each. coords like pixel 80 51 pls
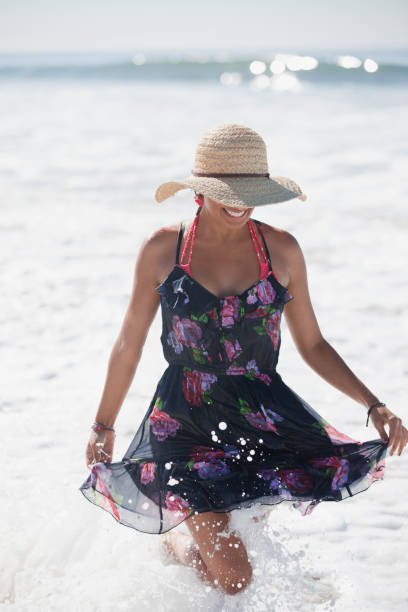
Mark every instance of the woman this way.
pixel 223 431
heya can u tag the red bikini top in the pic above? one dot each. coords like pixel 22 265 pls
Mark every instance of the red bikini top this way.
pixel 262 252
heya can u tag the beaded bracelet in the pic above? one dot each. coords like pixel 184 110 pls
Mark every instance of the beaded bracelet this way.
pixel 100 427
pixel 375 405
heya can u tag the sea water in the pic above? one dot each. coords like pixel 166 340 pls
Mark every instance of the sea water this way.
pixel 84 142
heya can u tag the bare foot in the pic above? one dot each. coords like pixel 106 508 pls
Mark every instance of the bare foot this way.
pixel 180 547
pixel 167 556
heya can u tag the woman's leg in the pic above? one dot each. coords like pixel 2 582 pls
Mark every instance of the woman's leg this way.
pixel 183 549
pixel 223 554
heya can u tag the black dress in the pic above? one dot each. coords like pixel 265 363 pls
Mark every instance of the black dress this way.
pixel 223 431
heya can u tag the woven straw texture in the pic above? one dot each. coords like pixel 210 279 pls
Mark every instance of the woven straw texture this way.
pixel 233 149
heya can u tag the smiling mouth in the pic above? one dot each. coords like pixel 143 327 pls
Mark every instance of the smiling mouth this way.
pixel 235 213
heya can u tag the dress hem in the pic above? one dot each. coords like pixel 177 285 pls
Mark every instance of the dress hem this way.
pixel 344 491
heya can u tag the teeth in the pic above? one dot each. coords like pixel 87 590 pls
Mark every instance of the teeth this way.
pixel 235 214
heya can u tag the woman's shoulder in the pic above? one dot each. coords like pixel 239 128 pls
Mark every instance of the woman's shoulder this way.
pixel 163 237
pixel 285 251
pixel 160 244
pixel 158 238
pixel 277 237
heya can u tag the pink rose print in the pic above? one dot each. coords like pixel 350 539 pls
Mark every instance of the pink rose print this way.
pixel 177 504
pixel 206 453
pixel 265 378
pixel 212 314
pixel 229 311
pixel 211 469
pixel 209 462
pixel 147 472
pixel 231 451
pixel 273 328
pixel 266 292
pixel 251 370
pixel 252 297
pixel 377 472
pixel 337 437
pixel 260 312
pixel 269 324
pixel 340 466
pixel 234 350
pixel 192 388
pixel 234 370
pixel 207 380
pixel 187 332
pixel 324 461
pixel 258 420
pixel 269 474
pixel 174 342
pixel 161 423
pixel 272 414
pixel 196 384
pixel 252 367
pixel 297 480
pixel 262 291
pixel 100 480
pixel 263 419
pixel 341 474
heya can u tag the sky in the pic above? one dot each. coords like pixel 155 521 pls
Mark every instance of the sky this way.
pixel 120 25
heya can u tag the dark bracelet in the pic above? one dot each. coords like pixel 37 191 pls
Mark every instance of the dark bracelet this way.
pixel 100 427
pixel 375 405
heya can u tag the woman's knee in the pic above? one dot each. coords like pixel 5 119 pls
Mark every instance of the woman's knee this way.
pixel 233 582
pixel 222 551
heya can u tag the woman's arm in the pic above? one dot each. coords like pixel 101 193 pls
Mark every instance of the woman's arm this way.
pixel 322 357
pixel 127 350
pixel 312 346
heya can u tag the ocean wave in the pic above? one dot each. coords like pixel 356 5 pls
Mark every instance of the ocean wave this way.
pixel 222 68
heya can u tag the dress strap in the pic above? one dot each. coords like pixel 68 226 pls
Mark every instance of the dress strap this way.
pixel 179 239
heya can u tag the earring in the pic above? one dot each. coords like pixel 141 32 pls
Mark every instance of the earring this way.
pixel 199 199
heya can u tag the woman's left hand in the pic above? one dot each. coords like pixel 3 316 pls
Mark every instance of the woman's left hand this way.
pixel 100 447
pixel 398 436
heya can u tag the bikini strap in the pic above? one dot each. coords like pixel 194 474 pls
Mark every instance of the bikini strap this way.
pixel 262 251
pixel 268 257
pixel 190 237
pixel 264 260
pixel 259 225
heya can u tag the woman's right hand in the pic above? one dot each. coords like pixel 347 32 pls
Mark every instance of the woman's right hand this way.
pixel 100 447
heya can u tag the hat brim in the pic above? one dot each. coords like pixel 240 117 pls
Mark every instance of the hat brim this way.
pixel 237 192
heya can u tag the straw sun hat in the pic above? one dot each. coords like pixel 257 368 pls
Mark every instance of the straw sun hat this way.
pixel 231 167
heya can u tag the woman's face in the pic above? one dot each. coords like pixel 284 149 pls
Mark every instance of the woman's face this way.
pixel 232 217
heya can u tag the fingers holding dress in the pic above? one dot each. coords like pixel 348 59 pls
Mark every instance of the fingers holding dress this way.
pixel 398 434
pixel 100 447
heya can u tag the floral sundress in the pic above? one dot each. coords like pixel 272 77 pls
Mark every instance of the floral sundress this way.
pixel 223 431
